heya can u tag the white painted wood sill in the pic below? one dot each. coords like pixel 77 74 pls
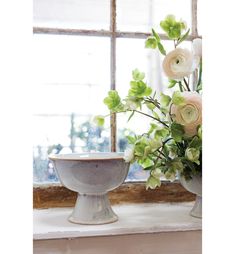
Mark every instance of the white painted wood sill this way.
pixel 142 228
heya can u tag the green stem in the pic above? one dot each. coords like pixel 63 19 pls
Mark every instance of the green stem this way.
pixel 151 117
pixel 187 85
pixel 158 150
pixel 200 75
pixel 137 111
pixel 162 154
pixel 180 86
pixel 156 104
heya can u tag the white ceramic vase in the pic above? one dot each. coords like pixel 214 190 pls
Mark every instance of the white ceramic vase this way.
pixel 195 186
pixel 92 175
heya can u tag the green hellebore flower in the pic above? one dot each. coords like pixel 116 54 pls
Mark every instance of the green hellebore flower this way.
pixel 192 154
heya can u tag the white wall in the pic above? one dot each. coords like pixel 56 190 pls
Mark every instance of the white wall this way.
pixel 188 242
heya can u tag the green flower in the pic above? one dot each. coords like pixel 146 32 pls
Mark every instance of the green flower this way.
pixel 113 101
pixel 192 154
pixel 172 27
pixel 139 89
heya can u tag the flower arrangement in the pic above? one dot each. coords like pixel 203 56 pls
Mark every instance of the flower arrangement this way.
pixel 173 143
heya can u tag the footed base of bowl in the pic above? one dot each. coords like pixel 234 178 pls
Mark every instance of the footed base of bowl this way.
pixel 197 208
pixel 92 210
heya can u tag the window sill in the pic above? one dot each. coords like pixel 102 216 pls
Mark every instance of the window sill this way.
pixel 48 196
pixel 133 219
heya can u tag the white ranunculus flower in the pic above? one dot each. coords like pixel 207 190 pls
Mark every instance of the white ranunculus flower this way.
pixel 197 47
pixel 129 154
pixel 189 114
pixel 180 63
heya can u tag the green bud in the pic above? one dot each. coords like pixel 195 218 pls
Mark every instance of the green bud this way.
pixel 153 182
pixel 157 173
pixel 151 42
pixel 192 154
pixel 165 100
pixel 177 98
pixel 199 132
pixel 137 75
pixel 170 176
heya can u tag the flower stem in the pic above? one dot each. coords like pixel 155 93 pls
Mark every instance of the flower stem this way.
pixel 186 83
pixel 151 117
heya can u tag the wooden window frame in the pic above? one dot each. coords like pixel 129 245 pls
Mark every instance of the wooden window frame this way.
pixel 54 195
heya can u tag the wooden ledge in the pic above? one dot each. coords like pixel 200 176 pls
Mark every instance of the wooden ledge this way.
pixel 59 196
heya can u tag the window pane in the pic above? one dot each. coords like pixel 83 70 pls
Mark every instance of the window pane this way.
pixel 142 15
pixel 81 14
pixel 72 78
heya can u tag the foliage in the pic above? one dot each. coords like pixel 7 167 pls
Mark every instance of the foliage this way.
pixel 166 149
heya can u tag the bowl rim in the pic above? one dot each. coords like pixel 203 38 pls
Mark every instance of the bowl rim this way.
pixel 89 156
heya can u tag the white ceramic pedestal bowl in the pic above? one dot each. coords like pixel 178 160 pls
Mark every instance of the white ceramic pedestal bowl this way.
pixel 195 186
pixel 92 175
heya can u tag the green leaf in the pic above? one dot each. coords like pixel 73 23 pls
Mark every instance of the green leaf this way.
pixel 155 144
pixel 183 37
pixel 113 100
pixel 152 128
pixel 165 100
pixel 151 42
pixel 137 75
pixel 156 35
pixel 140 147
pixel 164 110
pixel 183 25
pixel 145 163
pixel 161 48
pixel 177 131
pixel 177 165
pixel 177 98
pixel 196 142
pixel 153 182
pixel 131 115
pixel 199 88
pixel 150 105
pixel 163 132
pixel 131 139
pixel 147 151
pixel 99 120
pixel 155 115
pixel 172 83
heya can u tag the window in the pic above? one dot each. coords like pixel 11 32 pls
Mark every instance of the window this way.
pixel 82 49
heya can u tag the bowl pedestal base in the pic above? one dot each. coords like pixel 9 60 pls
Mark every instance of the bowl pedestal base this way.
pixel 93 209
pixel 197 208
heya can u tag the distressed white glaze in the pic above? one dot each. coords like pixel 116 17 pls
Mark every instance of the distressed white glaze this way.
pixel 195 186
pixel 92 175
